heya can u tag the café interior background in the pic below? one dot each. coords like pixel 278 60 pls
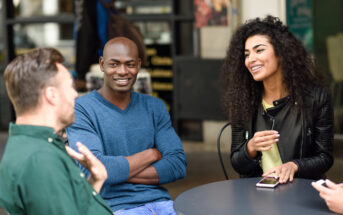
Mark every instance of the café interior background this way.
pixel 185 52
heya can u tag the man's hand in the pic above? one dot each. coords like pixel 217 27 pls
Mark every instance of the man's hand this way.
pixel 156 154
pixel 332 194
pixel 262 141
pixel 141 169
pixel 98 173
pixel 285 172
pixel 141 160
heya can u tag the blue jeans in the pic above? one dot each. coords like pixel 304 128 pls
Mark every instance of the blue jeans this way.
pixel 153 208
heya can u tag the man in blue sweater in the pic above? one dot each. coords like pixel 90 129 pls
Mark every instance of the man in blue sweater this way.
pixel 131 133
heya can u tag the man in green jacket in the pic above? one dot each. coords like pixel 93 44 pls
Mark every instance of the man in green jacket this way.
pixel 37 176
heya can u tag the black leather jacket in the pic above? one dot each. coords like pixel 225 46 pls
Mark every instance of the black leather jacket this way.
pixel 306 137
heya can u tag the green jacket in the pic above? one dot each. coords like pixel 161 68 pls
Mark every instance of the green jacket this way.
pixel 37 176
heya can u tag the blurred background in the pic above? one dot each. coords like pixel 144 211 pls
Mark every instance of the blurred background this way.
pixel 186 42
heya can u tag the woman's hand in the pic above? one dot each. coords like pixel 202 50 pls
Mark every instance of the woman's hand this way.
pixel 98 172
pixel 332 194
pixel 284 172
pixel 262 141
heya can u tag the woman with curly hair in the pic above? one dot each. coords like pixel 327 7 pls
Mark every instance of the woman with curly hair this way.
pixel 278 104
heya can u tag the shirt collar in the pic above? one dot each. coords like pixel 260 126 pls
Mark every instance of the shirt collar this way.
pixel 40 132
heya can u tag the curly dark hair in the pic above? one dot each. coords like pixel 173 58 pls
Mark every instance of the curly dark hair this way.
pixel 241 93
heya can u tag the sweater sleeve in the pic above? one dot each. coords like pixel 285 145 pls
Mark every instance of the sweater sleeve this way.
pixel 82 130
pixel 173 164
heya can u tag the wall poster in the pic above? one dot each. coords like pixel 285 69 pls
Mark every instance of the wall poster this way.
pixel 211 12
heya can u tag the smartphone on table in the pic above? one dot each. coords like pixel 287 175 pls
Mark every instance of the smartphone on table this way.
pixel 268 182
pixel 321 182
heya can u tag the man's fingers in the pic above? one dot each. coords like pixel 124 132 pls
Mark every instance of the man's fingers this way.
pixel 85 157
pixel 82 148
pixel 72 153
pixel 89 157
pixel 320 188
pixel 94 170
pixel 322 195
pixel 88 160
pixel 331 185
pixel 316 186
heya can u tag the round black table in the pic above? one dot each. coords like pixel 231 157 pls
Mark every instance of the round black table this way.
pixel 241 196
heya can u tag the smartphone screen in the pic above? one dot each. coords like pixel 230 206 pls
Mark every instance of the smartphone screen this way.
pixel 269 181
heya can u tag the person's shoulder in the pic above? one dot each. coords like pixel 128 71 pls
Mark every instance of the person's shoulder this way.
pixel 46 156
pixel 86 98
pixel 33 147
pixel 317 96
pixel 38 161
pixel 89 103
pixel 318 92
pixel 142 96
pixel 51 154
pixel 148 99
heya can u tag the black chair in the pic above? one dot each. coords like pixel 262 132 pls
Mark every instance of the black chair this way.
pixel 219 149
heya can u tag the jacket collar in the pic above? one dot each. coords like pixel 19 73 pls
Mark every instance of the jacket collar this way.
pixel 278 105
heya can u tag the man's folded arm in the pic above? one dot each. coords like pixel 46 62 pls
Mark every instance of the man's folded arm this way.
pixel 173 164
pixel 147 176
pixel 119 168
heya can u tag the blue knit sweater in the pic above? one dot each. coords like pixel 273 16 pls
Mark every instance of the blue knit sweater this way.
pixel 111 134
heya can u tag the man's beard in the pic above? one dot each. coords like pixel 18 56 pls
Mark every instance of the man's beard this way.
pixel 66 121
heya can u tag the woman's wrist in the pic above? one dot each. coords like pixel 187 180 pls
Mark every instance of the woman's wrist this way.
pixel 251 152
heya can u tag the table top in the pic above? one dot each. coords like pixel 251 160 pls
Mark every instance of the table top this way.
pixel 241 196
